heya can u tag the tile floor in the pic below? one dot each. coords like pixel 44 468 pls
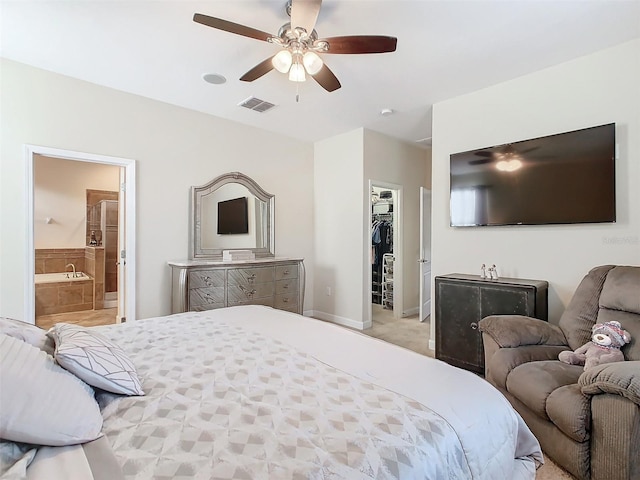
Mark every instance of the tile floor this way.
pixel 86 318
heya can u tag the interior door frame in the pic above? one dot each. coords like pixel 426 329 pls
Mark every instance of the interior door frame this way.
pixel 425 259
pixel 398 270
pixel 129 166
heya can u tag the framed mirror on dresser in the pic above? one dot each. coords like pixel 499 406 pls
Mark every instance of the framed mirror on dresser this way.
pixel 215 217
pixel 233 214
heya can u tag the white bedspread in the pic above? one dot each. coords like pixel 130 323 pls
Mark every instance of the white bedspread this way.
pixel 433 398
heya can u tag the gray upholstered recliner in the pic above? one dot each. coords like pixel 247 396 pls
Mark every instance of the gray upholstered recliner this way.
pixel 586 421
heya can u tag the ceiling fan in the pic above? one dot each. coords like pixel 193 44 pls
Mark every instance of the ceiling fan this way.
pixel 300 45
pixel 497 154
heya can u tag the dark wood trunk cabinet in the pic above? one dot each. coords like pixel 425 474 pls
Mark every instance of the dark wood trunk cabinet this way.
pixel 463 300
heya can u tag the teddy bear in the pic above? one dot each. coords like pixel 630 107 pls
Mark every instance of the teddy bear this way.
pixel 606 340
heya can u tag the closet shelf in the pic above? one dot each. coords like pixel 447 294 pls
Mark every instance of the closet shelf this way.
pixel 387 280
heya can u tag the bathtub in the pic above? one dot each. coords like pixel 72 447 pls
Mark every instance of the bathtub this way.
pixel 61 277
pixel 55 293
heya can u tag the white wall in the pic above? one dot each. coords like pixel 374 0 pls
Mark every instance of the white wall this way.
pixel 390 160
pixel 60 193
pixel 343 166
pixel 338 224
pixel 596 89
pixel 174 149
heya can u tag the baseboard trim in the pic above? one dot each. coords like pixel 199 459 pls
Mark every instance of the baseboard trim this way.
pixel 411 311
pixel 345 322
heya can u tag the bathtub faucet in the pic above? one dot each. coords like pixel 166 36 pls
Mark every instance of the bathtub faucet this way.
pixel 74 270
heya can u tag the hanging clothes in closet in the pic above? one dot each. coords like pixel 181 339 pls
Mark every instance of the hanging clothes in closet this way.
pixel 381 243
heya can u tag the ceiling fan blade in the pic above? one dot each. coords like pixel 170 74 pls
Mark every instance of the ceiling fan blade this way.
pixel 304 14
pixel 480 161
pixel 361 44
pixel 259 70
pixel 231 27
pixel 528 150
pixel 327 79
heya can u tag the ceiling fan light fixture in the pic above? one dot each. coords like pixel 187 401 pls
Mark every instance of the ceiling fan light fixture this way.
pixel 312 62
pixel 296 73
pixel 300 45
pixel 509 165
pixel 282 61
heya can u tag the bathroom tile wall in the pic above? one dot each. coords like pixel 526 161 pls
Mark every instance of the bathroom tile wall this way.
pixel 110 235
pixel 75 296
pixel 94 206
pixel 54 260
pixel 61 297
pixel 94 261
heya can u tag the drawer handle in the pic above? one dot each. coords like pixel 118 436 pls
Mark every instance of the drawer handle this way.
pixel 285 286
pixel 474 326
pixel 251 278
pixel 285 300
pixel 207 280
pixel 208 298
pixel 286 272
pixel 247 292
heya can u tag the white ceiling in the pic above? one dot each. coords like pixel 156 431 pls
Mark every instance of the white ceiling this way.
pixel 445 48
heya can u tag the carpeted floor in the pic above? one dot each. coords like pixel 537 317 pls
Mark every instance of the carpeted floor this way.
pixel 551 471
pixel 410 333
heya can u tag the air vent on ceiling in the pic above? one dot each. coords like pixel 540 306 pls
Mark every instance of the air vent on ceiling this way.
pixel 253 103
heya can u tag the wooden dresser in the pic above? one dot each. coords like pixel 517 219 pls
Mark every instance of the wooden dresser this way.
pixel 198 285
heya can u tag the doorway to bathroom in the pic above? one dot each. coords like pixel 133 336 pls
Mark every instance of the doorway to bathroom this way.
pixel 80 206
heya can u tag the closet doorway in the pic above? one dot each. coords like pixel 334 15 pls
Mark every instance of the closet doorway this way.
pixel 385 294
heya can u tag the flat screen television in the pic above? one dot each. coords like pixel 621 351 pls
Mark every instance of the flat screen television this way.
pixel 233 216
pixel 558 179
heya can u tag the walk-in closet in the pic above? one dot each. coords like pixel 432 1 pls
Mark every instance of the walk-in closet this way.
pixel 382 259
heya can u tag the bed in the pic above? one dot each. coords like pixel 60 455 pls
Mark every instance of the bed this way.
pixel 251 392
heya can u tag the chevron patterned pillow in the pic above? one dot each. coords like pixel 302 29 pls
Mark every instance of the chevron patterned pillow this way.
pixel 95 359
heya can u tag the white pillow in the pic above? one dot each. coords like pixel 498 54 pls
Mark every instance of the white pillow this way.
pixel 27 333
pixel 42 403
pixel 95 359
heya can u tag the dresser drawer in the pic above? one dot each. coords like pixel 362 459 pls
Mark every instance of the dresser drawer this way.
pixel 287 302
pixel 250 276
pixel 289 286
pixel 199 297
pixel 267 301
pixel 206 278
pixel 286 271
pixel 204 308
pixel 210 284
pixel 237 294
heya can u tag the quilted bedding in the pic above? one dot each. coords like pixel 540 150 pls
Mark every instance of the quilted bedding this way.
pixel 256 393
pixel 227 403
